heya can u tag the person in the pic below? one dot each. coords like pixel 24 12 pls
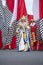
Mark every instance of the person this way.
pixel 24 37
pixel 33 31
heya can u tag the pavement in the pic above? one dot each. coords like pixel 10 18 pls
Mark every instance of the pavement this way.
pixel 13 57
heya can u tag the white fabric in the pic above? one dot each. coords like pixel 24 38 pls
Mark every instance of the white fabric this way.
pixel 29 6
pixel 14 16
pixel 21 43
pixel 32 7
pixel 36 9
pixel 32 24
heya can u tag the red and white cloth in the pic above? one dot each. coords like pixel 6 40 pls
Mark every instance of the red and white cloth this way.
pixel 34 8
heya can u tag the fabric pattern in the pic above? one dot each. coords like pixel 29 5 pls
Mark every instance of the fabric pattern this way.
pixel 41 28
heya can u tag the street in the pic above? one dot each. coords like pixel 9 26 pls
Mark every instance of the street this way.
pixel 13 57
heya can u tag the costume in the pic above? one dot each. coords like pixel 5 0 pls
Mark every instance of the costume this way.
pixel 20 39
pixel 23 29
pixel 33 31
pixel 26 37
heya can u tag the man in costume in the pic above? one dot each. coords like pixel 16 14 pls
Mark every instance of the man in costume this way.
pixel 24 34
pixel 33 31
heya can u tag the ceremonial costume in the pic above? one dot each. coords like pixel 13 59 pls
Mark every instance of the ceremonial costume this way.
pixel 26 37
pixel 33 31
pixel 24 34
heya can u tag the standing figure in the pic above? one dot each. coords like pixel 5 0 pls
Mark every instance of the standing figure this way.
pixel 33 31
pixel 26 34
pixel 23 29
pixel 26 37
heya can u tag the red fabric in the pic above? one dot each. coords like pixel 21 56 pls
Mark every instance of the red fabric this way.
pixel 21 9
pixel 35 46
pixel 30 17
pixel 41 8
pixel 33 28
pixel 1 44
pixel 6 47
pixel 41 47
pixel 10 4
pixel 13 43
pixel 38 45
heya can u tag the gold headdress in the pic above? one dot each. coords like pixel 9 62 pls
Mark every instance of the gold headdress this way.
pixel 23 18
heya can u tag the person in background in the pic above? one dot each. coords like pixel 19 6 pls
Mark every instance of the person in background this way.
pixel 33 31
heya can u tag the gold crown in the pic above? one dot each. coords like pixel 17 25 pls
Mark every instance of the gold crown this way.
pixel 23 17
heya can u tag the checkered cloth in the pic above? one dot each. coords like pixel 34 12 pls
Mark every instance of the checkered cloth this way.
pixel 38 34
pixel 41 28
pixel 2 23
